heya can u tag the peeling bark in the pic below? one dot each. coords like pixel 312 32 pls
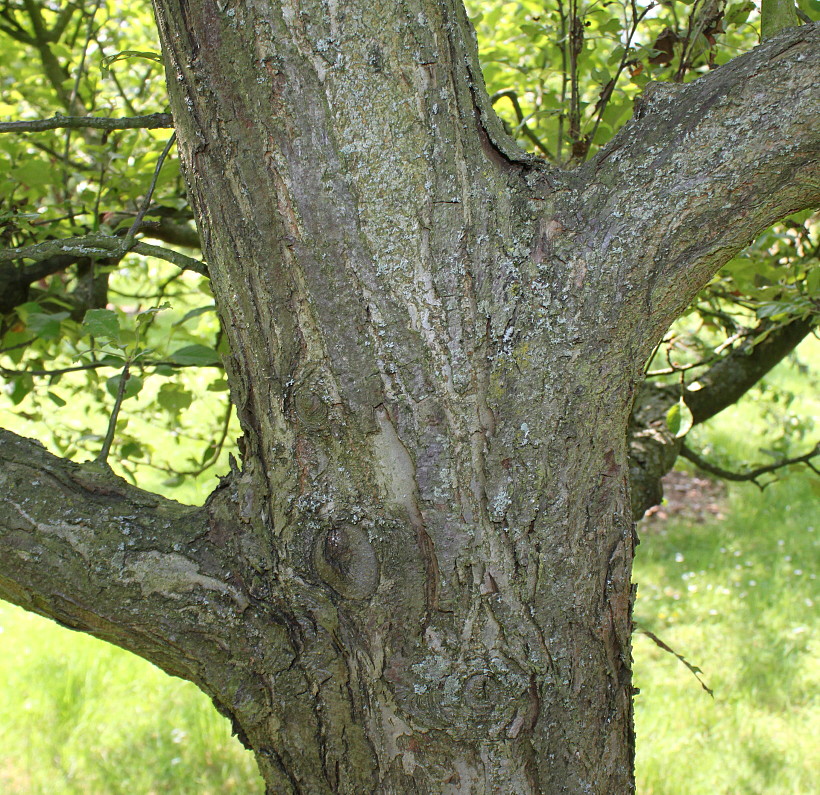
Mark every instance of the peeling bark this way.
pixel 420 579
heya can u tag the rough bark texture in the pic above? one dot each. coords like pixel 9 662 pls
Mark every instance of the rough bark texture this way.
pixel 420 580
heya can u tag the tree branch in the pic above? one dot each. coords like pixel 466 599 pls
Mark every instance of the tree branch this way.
pixel 82 546
pixel 150 122
pixel 101 245
pixel 752 474
pixel 77 368
pixel 726 381
pixel 166 581
pixel 696 174
pixel 510 94
pixel 654 448
pixel 167 231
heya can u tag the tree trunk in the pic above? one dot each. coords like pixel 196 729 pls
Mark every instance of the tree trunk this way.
pixel 419 581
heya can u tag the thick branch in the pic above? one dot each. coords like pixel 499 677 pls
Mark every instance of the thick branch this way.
pixel 166 581
pixel 81 546
pixel 731 377
pixel 654 449
pixel 151 122
pixel 696 174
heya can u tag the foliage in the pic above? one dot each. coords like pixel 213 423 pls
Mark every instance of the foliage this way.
pixel 85 319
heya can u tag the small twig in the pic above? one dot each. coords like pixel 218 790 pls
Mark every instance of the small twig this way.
pixel 217 451
pixel 18 345
pixel 146 202
pixel 7 372
pixel 752 476
pixel 679 368
pixel 510 94
pixel 76 105
pixel 696 672
pixel 102 458
pixel 174 257
pixel 152 121
pixel 655 353
pixel 75 90
pixel 11 27
pixel 609 88
pixel 110 73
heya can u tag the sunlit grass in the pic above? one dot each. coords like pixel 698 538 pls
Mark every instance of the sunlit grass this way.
pixel 80 716
pixel 738 598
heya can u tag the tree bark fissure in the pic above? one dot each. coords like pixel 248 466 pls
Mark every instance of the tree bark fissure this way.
pixel 420 579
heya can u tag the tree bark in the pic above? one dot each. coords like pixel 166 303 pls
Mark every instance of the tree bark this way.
pixel 420 579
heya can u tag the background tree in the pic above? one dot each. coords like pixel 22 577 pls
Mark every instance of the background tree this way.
pixel 340 549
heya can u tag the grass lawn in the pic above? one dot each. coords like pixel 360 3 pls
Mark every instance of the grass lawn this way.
pixel 81 716
pixel 736 597
pixel 736 594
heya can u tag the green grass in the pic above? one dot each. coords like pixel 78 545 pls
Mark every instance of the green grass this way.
pixel 738 598
pixel 80 716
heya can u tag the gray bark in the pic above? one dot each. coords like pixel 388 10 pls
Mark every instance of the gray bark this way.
pixel 420 579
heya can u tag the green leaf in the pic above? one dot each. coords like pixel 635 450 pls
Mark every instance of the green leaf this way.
pixel 147 314
pixel 679 419
pixel 132 449
pixel 200 355
pixel 22 385
pixel 146 54
pixel 34 173
pixel 112 360
pixel 132 386
pixel 28 308
pixel 46 326
pixel 601 76
pixel 102 324
pixel 56 399
pixel 174 398
pixel 200 310
pixel 210 451
pixel 738 13
pixel 615 57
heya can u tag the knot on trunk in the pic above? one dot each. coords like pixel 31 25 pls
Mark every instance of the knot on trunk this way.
pixel 345 560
